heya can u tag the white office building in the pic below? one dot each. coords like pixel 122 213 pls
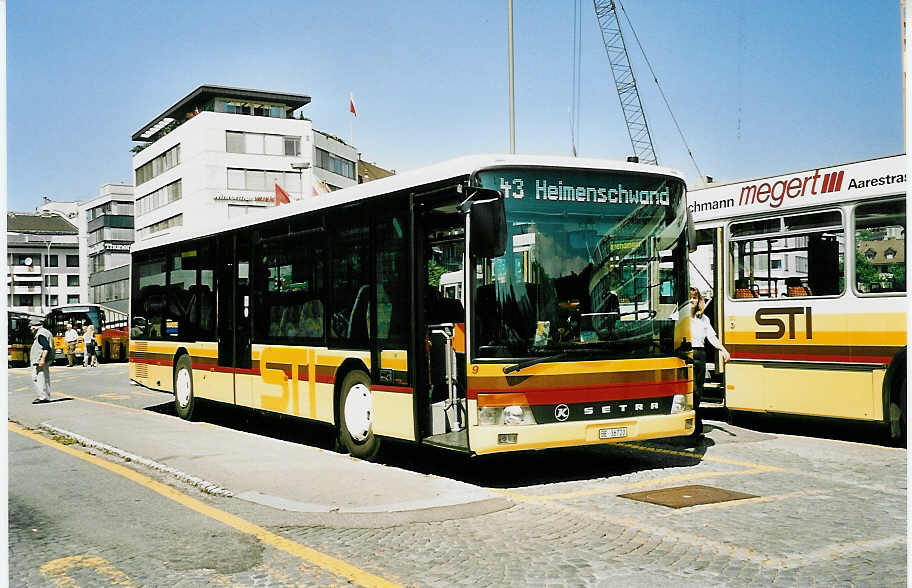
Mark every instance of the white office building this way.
pixel 43 262
pixel 220 152
pixel 107 222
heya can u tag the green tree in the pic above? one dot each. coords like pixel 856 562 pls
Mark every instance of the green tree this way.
pixel 435 270
pixel 866 273
pixel 899 275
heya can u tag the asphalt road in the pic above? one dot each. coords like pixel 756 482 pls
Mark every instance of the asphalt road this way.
pixel 816 511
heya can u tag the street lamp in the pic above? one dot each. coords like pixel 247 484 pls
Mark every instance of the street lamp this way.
pixel 301 166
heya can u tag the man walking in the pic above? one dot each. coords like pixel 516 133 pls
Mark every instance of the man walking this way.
pixel 41 357
pixel 70 338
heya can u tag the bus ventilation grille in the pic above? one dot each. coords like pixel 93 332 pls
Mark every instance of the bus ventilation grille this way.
pixel 141 369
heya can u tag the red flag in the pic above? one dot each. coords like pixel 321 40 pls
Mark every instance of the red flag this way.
pixel 281 196
pixel 351 104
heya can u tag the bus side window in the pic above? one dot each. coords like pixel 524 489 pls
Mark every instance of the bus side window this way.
pixel 880 246
pixel 349 268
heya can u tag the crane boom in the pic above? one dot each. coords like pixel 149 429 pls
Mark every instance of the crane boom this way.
pixel 624 80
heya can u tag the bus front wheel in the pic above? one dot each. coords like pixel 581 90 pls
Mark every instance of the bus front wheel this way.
pixel 356 414
pixel 184 400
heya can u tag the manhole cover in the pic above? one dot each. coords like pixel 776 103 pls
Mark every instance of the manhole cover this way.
pixel 683 496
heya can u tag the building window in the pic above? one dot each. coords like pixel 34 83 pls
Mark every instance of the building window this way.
pixel 72 261
pixel 161 197
pixel 50 281
pixel 49 261
pixel 73 280
pixel 258 179
pixel 51 300
pixel 72 298
pixel 24 300
pixel 158 165
pixel 262 144
pixel 235 142
pixel 292 145
pixel 334 163
pixel 174 221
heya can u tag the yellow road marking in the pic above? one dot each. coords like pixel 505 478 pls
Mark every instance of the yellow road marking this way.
pixel 321 560
pixel 113 396
pixel 57 570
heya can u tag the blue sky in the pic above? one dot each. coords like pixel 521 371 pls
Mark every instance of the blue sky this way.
pixel 759 88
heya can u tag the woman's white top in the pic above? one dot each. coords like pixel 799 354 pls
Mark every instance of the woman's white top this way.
pixel 701 331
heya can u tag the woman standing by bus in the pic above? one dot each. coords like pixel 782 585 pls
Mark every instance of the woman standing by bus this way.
pixel 701 333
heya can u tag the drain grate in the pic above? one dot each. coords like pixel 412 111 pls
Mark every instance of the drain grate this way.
pixel 684 496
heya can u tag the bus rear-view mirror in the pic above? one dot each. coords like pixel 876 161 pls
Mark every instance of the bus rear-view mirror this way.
pixel 488 222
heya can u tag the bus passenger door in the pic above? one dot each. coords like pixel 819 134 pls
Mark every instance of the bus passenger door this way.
pixel 706 265
pixel 441 401
pixel 233 305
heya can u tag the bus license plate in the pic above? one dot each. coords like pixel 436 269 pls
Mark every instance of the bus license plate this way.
pixel 613 433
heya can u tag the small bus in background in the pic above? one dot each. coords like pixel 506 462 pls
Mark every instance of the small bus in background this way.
pixel 330 309
pixel 19 337
pixel 808 272
pixel 111 337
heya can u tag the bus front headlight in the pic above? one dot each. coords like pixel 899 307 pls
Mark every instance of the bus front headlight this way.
pixel 505 415
pixel 680 403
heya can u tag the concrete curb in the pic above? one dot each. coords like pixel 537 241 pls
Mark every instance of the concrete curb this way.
pixel 200 484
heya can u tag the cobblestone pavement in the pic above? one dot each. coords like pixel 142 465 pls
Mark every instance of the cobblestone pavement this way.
pixel 824 512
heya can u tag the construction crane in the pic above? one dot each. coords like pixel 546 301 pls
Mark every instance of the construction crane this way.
pixel 625 81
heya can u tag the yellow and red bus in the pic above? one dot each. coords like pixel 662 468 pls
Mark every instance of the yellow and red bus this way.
pixel 325 308
pixel 808 273
pixel 111 338
pixel 19 337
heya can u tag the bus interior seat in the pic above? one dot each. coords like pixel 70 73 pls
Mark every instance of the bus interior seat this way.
pixel 743 289
pixel 310 322
pixel 796 288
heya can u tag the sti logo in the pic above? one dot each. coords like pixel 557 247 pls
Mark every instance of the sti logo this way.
pixel 774 317
pixel 795 187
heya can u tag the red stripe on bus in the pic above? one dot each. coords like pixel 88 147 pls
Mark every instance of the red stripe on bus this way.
pixel 165 362
pixel 817 358
pixel 400 389
pixel 594 393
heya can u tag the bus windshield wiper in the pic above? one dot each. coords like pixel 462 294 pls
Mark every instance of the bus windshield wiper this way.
pixel 530 362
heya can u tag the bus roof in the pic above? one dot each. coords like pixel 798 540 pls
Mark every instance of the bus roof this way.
pixel 847 182
pixel 447 170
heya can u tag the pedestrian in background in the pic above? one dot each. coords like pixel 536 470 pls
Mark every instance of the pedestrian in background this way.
pixel 90 358
pixel 41 357
pixel 70 338
pixel 701 333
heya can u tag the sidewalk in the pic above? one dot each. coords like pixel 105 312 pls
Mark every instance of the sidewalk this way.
pixel 258 469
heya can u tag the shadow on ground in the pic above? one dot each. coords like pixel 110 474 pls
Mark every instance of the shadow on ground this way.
pixel 509 470
pixel 843 430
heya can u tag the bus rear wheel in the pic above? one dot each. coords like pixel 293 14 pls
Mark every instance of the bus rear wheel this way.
pixel 184 400
pixel 356 413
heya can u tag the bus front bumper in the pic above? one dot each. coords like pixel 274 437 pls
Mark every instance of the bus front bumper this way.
pixel 498 438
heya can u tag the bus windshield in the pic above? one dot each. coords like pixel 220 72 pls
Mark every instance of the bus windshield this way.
pixel 74 315
pixel 594 266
